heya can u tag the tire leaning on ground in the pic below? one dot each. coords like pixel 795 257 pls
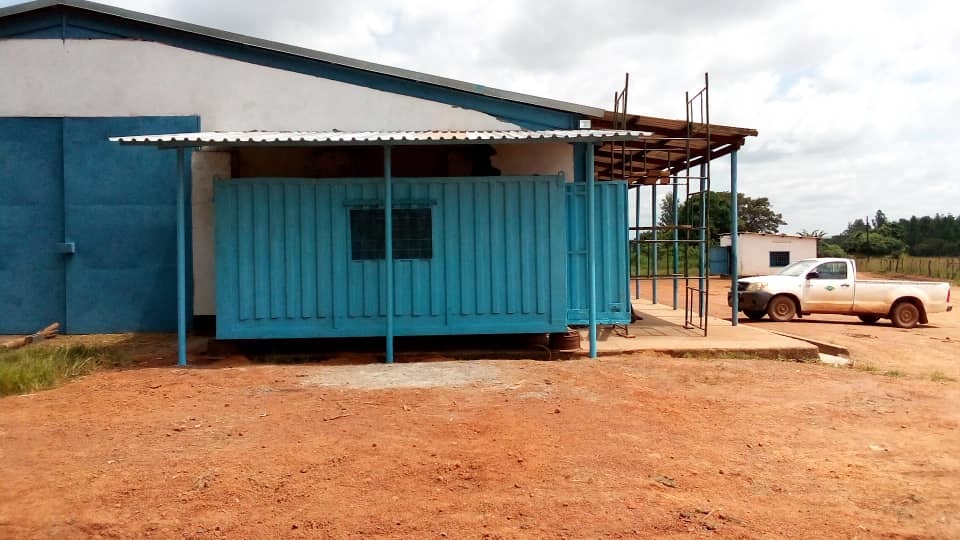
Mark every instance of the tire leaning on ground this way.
pixel 905 315
pixel 754 314
pixel 781 309
pixel 869 319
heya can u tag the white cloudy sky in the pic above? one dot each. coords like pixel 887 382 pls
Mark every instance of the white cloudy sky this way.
pixel 857 103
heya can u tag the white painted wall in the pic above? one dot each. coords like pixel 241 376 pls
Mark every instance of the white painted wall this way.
pixel 109 77
pixel 205 166
pixel 754 251
pixel 528 159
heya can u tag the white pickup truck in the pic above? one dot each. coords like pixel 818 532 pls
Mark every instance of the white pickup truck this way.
pixel 830 286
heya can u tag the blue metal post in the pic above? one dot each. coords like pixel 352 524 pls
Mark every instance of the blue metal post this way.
pixel 676 242
pixel 734 239
pixel 388 244
pixel 654 246
pixel 181 263
pixel 591 248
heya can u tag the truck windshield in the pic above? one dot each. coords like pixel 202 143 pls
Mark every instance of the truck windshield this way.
pixel 798 268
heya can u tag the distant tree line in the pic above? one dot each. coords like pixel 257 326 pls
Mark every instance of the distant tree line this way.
pixel 926 236
pixel 937 236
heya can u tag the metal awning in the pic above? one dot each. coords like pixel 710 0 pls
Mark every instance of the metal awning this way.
pixel 378 138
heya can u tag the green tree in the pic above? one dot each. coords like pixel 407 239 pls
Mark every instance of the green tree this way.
pixel 826 248
pixel 879 219
pixel 754 214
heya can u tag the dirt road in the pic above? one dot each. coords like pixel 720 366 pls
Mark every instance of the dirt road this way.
pixel 617 448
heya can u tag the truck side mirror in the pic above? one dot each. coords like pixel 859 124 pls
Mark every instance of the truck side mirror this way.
pixel 813 275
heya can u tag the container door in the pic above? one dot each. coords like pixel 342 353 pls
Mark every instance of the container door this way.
pixel 613 297
pixel 720 261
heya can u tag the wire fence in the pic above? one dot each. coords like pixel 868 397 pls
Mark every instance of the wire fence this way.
pixel 932 267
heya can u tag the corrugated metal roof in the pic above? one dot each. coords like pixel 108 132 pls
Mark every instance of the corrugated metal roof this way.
pixel 377 138
pixel 305 53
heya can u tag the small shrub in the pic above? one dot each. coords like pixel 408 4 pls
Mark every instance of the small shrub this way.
pixel 939 376
pixel 35 368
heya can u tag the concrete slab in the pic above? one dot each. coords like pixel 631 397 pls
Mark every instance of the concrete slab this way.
pixel 833 360
pixel 830 349
pixel 662 331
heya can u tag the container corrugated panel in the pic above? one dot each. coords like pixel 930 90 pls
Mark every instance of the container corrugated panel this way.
pixel 285 267
pixel 613 296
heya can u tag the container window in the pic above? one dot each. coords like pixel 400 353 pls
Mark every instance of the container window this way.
pixel 412 234
pixel 779 259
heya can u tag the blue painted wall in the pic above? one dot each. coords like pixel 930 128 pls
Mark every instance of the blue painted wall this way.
pixel 284 267
pixel 613 296
pixel 62 180
pixel 31 224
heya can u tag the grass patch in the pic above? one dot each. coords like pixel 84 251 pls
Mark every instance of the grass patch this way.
pixel 894 373
pixel 35 368
pixel 759 354
pixel 866 368
pixel 939 376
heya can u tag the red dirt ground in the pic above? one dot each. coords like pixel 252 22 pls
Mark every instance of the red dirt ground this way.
pixel 617 448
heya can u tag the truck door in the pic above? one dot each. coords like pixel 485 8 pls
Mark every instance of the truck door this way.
pixel 830 289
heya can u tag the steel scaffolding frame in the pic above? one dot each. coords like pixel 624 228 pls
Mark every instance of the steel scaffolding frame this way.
pixel 690 232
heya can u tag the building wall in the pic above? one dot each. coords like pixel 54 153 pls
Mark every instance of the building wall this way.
pixel 206 166
pixel 754 256
pixel 528 159
pixel 87 227
pixel 108 77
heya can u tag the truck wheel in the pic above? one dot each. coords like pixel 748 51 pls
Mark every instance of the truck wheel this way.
pixel 869 319
pixel 754 314
pixel 781 309
pixel 905 315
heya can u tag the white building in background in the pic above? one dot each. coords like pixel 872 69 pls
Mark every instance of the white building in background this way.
pixel 763 253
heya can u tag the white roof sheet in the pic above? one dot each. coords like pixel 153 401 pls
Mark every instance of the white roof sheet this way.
pixel 353 138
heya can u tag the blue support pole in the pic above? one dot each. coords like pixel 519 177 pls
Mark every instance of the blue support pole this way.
pixel 388 244
pixel 676 243
pixel 591 248
pixel 181 263
pixel 654 246
pixel 734 239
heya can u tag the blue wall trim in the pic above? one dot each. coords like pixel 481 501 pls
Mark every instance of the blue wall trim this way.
pixel 284 266
pixel 63 22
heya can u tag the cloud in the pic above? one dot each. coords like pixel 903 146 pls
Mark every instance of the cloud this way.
pixel 855 101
